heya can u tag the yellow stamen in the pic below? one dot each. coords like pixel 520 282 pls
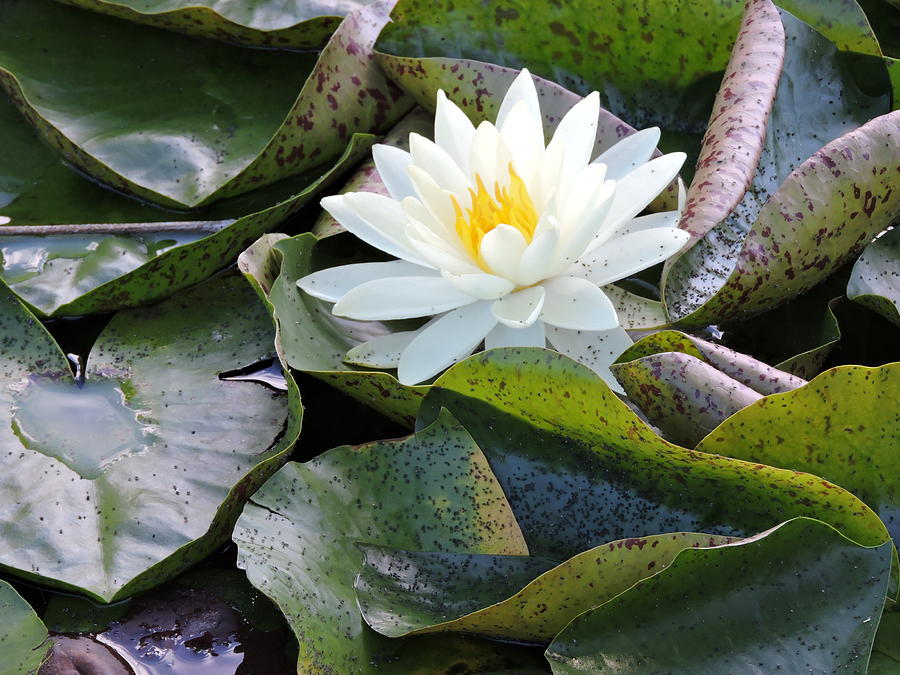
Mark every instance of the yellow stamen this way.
pixel 510 205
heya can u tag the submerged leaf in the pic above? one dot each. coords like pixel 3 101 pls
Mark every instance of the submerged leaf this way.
pixel 799 598
pixel 113 513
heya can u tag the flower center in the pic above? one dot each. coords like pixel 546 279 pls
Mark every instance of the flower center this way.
pixel 510 205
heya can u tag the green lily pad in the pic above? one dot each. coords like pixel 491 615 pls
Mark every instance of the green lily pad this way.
pixel 808 209
pixel 687 386
pixel 655 62
pixel 844 23
pixel 843 426
pixel 296 24
pixel 23 637
pixel 132 114
pixel 799 598
pixel 886 650
pixel 875 279
pixel 433 491
pixel 508 598
pixel 113 513
pixel 581 469
pixel 311 339
pixel 126 253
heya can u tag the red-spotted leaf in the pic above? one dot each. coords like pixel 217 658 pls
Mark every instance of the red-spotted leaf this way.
pixel 808 209
pixel 184 121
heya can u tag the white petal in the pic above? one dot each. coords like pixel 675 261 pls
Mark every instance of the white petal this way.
pixel 333 283
pixel 582 195
pixel 520 309
pixel 650 222
pixel 501 249
pixel 489 157
pixel 548 176
pixel 577 133
pixel 638 189
pixel 439 253
pixel 446 341
pixel 623 256
pixel 577 304
pixel 381 352
pixel 453 131
pixel 521 90
pixel 539 259
pixel 417 211
pixel 482 286
pixel 595 349
pixel 576 237
pixel 436 199
pixel 629 153
pixel 504 336
pixel 391 164
pixel 435 161
pixel 391 240
pixel 524 136
pixel 401 298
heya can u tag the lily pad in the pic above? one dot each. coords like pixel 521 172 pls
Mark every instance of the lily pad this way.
pixel 688 386
pixel 875 279
pixel 309 338
pixel 808 209
pixel 296 24
pixel 799 598
pixel 581 469
pixel 166 117
pixel 23 637
pixel 121 253
pixel 403 592
pixel 886 650
pixel 433 491
pixel 111 514
pixel 843 425
pixel 655 62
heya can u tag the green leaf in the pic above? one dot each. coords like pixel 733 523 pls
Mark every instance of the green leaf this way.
pixel 687 386
pixel 875 279
pixel 403 592
pixel 433 491
pixel 652 61
pixel 799 598
pixel 798 220
pixel 842 426
pixel 166 117
pixel 63 275
pixel 22 635
pixel 296 24
pixel 309 338
pixel 841 21
pixel 580 468
pixel 886 650
pixel 113 513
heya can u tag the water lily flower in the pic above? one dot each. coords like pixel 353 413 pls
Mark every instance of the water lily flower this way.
pixel 500 237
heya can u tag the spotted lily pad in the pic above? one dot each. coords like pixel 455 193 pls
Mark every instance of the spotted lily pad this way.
pixel 311 339
pixel 121 253
pixel 875 280
pixel 111 513
pixel 687 386
pixel 516 598
pixel 801 200
pixel 843 425
pixel 22 634
pixel 167 117
pixel 433 491
pixel 581 469
pixel 296 24
pixel 799 598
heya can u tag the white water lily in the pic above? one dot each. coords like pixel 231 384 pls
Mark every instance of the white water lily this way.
pixel 501 238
